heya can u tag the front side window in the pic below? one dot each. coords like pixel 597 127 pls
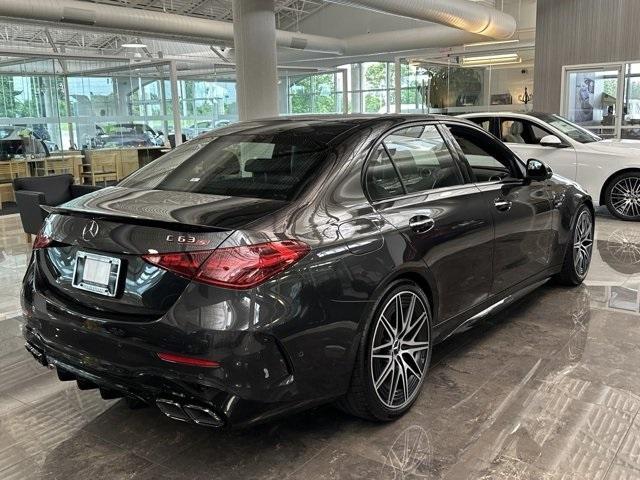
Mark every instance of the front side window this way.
pixel 512 131
pixel 422 158
pixel 484 155
pixel 271 166
pixel 516 130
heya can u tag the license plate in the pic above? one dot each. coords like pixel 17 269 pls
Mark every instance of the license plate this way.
pixel 96 273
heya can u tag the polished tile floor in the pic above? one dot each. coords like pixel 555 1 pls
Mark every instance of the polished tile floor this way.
pixel 549 389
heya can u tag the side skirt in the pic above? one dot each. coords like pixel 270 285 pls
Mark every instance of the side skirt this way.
pixel 490 307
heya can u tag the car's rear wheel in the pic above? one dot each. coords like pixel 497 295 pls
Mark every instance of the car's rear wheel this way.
pixel 578 254
pixel 623 196
pixel 394 355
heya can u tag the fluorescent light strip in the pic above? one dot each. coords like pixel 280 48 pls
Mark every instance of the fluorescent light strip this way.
pixel 505 56
pixel 492 64
pixel 133 45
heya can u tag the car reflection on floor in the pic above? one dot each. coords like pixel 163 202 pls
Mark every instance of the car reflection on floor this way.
pixel 548 389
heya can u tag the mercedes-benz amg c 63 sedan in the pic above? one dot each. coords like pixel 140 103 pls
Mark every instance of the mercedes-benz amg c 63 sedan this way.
pixel 272 265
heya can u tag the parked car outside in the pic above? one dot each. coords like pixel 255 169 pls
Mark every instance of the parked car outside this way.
pixel 20 142
pixel 126 135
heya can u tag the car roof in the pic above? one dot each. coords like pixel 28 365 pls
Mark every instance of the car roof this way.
pixel 500 114
pixel 334 126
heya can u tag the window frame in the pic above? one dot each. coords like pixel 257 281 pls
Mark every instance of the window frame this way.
pixel 380 142
pixel 517 166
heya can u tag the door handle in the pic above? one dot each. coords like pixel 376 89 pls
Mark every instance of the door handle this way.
pixel 502 204
pixel 421 223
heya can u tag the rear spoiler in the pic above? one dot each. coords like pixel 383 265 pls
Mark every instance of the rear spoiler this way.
pixel 131 219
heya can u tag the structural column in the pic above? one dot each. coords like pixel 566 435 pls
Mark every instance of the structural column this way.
pixel 175 101
pixel 254 37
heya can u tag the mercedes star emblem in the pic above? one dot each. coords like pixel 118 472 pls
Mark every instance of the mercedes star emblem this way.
pixel 90 230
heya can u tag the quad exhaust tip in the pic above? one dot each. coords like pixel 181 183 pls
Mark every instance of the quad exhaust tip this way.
pixel 190 413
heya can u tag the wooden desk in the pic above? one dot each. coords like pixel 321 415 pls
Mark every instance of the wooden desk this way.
pixel 8 171
pixel 65 162
pixel 104 165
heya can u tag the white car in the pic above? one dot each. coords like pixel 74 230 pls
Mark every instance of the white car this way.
pixel 608 169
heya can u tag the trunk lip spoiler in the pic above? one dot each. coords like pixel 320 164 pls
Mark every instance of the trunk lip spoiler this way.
pixel 115 216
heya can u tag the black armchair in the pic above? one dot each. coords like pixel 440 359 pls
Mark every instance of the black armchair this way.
pixel 53 190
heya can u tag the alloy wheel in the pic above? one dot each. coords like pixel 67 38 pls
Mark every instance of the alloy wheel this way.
pixel 583 243
pixel 625 196
pixel 400 349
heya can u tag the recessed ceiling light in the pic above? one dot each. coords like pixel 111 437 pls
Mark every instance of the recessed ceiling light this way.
pixel 133 45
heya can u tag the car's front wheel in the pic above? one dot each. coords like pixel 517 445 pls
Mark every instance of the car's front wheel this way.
pixel 623 196
pixel 579 251
pixel 394 355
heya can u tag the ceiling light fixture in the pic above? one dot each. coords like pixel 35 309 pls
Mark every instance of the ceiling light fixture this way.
pixel 133 45
pixel 503 59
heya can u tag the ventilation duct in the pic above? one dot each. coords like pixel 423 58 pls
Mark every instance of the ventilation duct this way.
pixel 472 23
pixel 158 24
pixel 461 14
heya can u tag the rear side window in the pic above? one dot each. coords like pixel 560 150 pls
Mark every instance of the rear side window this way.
pixel 482 122
pixel 273 166
pixel 382 178
pixel 422 159
pixel 410 160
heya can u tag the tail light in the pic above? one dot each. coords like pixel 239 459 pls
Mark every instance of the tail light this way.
pixel 235 267
pixel 41 241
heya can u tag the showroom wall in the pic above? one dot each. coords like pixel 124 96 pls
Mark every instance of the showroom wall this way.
pixel 575 32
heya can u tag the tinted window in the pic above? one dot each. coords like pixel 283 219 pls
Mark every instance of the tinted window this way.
pixel 482 122
pixel 382 178
pixel 422 158
pixel 273 166
pixel 487 160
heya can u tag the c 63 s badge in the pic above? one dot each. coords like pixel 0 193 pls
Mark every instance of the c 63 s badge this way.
pixel 187 240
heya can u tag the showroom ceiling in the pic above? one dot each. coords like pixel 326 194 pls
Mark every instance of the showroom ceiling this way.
pixel 288 12
pixel 290 15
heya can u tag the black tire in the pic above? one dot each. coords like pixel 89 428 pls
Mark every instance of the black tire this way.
pixel 622 196
pixel 363 399
pixel 573 270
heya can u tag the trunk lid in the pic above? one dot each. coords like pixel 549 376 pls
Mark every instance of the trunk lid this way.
pixel 124 224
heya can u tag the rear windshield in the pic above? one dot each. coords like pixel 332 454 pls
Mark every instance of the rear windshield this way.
pixel 274 166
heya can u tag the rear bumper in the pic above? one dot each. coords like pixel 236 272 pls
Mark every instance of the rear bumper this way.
pixel 252 383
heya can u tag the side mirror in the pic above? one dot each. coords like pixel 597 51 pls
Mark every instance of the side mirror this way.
pixel 552 141
pixel 538 171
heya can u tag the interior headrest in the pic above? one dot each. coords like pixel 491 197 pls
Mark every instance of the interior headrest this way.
pixel 517 128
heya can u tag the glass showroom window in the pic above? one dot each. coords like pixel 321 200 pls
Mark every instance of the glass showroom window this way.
pixel 603 98
pixel 631 111
pixel 316 93
pixel 471 82
pixel 31 100
pixel 206 104
pixel 591 99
